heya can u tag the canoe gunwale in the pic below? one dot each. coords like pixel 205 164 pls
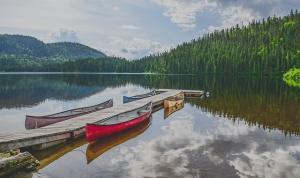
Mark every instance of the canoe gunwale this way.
pixel 109 125
pixel 33 122
pixel 50 116
pixel 137 109
pixel 151 93
pixel 96 131
pixel 137 97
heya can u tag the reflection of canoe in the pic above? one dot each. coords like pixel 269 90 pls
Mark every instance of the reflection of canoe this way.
pixel 33 122
pixel 96 149
pixel 127 99
pixel 49 155
pixel 118 123
pixel 174 101
pixel 170 110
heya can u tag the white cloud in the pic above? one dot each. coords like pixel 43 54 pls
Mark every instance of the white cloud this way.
pixel 131 27
pixel 116 8
pixel 234 15
pixel 64 35
pixel 184 12
pixel 132 48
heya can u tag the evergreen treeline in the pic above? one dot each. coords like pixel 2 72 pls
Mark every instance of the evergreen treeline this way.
pixel 271 45
pixel 268 46
pixel 105 64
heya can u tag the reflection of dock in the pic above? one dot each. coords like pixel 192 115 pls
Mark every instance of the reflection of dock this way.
pixel 96 149
pixel 47 136
pixel 48 156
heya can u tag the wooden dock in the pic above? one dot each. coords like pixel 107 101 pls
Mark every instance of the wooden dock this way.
pixel 56 133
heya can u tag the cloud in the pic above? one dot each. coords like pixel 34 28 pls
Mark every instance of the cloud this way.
pixel 132 48
pixel 231 12
pixel 231 16
pixel 116 8
pixel 241 12
pixel 64 35
pixel 261 7
pixel 131 27
pixel 184 12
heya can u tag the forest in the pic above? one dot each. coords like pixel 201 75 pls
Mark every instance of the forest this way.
pixel 266 46
pixel 27 47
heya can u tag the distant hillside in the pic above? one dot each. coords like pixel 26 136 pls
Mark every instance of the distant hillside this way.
pixel 18 46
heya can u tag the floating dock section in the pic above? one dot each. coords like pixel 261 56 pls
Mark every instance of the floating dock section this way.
pixel 56 133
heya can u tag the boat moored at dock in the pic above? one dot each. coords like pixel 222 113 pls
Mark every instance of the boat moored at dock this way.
pixel 33 122
pixel 118 123
pixel 127 99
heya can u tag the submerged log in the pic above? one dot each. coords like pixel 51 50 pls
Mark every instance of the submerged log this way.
pixel 10 163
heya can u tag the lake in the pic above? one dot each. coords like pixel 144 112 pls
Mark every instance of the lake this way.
pixel 247 127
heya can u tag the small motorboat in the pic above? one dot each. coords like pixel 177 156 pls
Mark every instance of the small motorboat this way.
pixel 117 123
pixel 33 122
pixel 127 99
pixel 170 110
pixel 97 148
pixel 174 101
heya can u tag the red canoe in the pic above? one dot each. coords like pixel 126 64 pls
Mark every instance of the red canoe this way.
pixel 118 123
pixel 33 122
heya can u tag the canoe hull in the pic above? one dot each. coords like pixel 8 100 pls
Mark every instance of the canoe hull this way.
pixel 96 131
pixel 97 148
pixel 127 99
pixel 33 122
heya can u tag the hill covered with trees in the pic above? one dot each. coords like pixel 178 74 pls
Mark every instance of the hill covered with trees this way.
pixel 271 45
pixel 26 47
pixel 267 46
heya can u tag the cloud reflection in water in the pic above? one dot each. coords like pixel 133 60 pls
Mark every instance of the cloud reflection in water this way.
pixel 226 150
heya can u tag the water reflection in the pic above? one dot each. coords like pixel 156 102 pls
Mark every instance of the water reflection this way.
pixel 267 102
pixel 248 127
pixel 46 157
pixel 225 149
pixel 170 110
pixel 28 90
pixel 97 148
pixel 193 143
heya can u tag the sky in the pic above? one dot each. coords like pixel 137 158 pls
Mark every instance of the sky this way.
pixel 131 28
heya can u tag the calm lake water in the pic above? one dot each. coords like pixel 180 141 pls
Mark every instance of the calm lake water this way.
pixel 247 127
